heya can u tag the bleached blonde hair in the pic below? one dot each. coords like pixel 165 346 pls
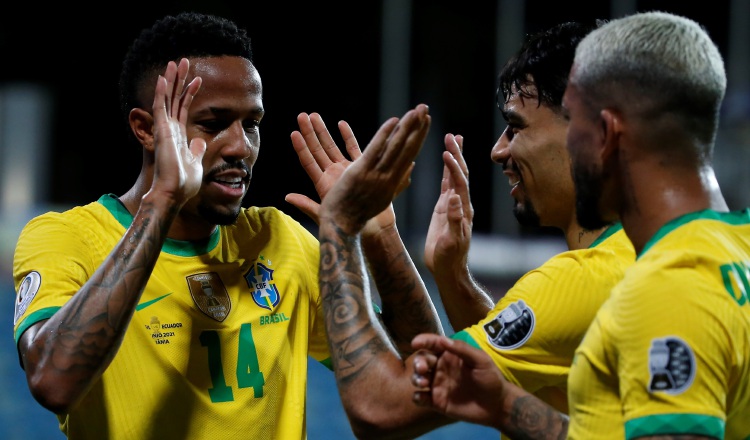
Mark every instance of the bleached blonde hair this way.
pixel 654 65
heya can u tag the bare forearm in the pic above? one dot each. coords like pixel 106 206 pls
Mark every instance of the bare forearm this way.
pixel 353 333
pixel 72 349
pixel 465 301
pixel 407 307
pixel 372 378
pixel 525 416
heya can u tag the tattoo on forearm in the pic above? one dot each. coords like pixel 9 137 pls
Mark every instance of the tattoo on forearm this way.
pixel 353 338
pixel 92 330
pixel 532 419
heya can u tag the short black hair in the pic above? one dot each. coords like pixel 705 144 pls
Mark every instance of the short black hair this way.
pixel 544 61
pixel 185 35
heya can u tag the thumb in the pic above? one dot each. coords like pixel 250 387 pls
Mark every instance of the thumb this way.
pixel 304 204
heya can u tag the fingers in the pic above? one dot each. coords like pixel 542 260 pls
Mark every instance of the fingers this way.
pixel 309 141
pixel 449 141
pixel 179 84
pixel 306 158
pixel 352 146
pixel 438 344
pixel 198 148
pixel 430 341
pixel 171 95
pixel 163 90
pixel 460 142
pixel 470 356
pixel 455 215
pixel 406 179
pixel 327 151
pixel 454 145
pixel 422 398
pixel 424 363
pixel 459 178
pixel 317 140
pixel 304 204
pixel 169 76
pixel 187 98
pixel 406 139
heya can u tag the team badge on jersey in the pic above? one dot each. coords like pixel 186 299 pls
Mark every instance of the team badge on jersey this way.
pixel 210 295
pixel 671 364
pixel 511 327
pixel 262 287
pixel 26 292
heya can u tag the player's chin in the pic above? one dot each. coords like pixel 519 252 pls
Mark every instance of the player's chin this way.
pixel 221 214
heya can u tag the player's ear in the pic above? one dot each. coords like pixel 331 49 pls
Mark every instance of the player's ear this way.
pixel 142 124
pixel 612 130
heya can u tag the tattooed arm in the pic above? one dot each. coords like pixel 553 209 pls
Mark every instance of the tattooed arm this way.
pixel 407 307
pixel 463 382
pixel 372 378
pixel 66 354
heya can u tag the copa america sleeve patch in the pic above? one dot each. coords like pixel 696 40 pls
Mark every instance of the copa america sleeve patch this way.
pixel 26 292
pixel 671 365
pixel 512 327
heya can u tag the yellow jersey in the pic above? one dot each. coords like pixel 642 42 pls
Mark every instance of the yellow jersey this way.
pixel 218 345
pixel 533 331
pixel 669 352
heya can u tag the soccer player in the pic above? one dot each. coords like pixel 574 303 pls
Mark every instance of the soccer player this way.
pixel 171 311
pixel 532 332
pixel 669 353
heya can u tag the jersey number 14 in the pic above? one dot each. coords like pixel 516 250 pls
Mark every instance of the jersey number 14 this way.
pixel 248 370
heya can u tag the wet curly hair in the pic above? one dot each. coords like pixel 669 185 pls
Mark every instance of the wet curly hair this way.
pixel 544 61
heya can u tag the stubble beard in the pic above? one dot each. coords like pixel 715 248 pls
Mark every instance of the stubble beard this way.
pixel 216 217
pixel 526 214
pixel 588 187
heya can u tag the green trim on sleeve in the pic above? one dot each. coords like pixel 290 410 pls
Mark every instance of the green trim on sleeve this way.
pixel 463 335
pixel 32 319
pixel 327 363
pixel 675 424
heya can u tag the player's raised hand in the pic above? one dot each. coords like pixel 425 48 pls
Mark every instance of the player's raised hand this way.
pixel 178 171
pixel 449 233
pixel 371 182
pixel 324 163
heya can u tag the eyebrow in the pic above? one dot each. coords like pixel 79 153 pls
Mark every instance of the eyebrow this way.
pixel 509 115
pixel 222 111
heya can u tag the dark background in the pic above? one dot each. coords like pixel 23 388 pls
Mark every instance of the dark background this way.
pixel 322 56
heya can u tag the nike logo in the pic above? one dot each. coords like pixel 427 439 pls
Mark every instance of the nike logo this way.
pixel 142 306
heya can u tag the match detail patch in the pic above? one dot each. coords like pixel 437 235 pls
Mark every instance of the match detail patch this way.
pixel 671 365
pixel 512 327
pixel 26 292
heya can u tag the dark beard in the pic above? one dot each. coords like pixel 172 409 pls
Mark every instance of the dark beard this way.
pixel 218 218
pixel 588 184
pixel 526 215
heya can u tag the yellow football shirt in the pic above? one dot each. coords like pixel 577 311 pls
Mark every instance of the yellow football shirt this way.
pixel 534 329
pixel 217 347
pixel 669 352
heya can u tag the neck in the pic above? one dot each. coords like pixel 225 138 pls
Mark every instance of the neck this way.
pixel 579 238
pixel 184 227
pixel 659 195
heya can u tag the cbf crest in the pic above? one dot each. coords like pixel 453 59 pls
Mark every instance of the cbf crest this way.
pixel 262 287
